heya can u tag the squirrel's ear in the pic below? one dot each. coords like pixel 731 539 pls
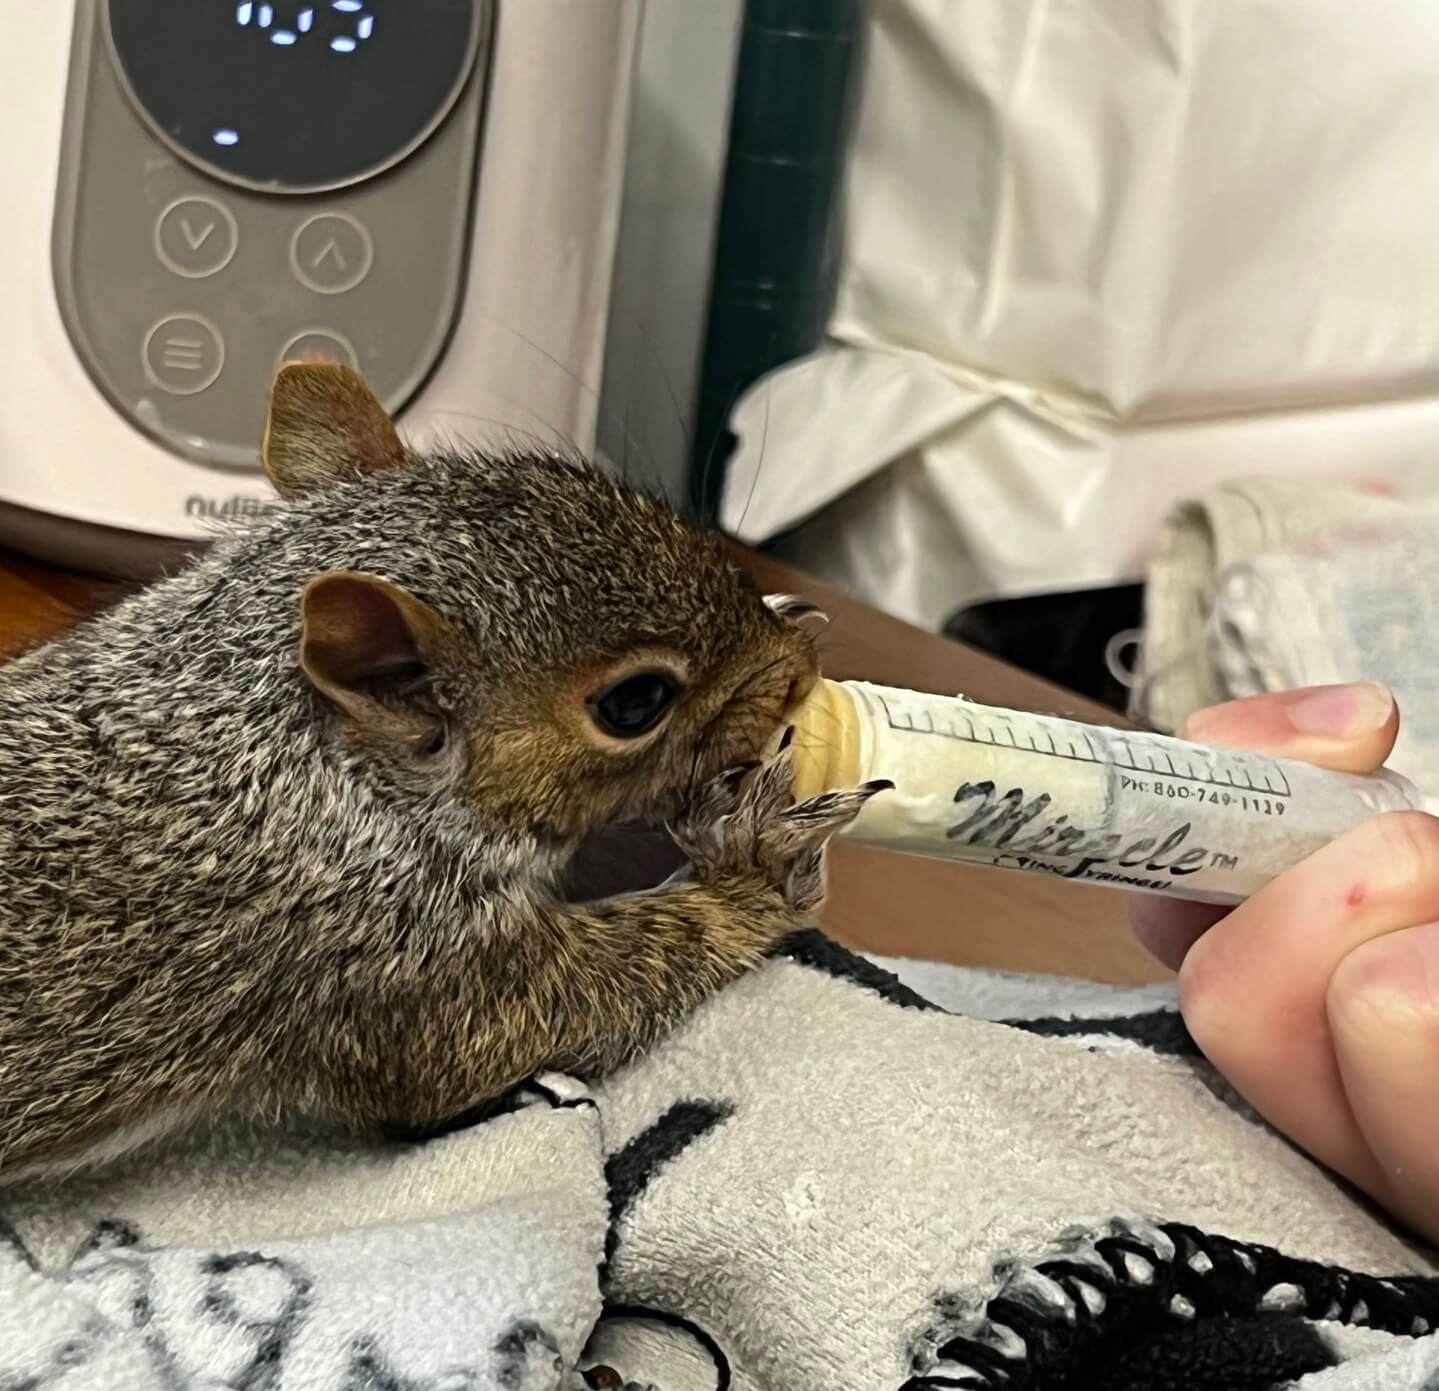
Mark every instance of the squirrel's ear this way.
pixel 325 426
pixel 362 638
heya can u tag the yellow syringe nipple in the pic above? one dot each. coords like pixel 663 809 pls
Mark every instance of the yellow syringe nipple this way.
pixel 825 751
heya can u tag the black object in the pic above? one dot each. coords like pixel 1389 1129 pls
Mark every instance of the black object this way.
pixel 1161 1031
pixel 628 1170
pixel 820 953
pixel 1229 1352
pixel 294 95
pixel 1190 1311
pixel 774 254
pixel 1060 637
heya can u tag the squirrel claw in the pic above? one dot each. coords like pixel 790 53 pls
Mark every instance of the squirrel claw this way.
pixel 718 797
pixel 754 828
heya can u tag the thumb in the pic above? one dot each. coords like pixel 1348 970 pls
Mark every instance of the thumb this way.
pixel 1383 1011
pixel 1350 728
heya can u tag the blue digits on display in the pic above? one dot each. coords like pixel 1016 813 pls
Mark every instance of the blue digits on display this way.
pixel 350 18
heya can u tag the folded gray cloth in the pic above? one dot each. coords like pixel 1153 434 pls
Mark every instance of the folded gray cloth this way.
pixel 824 1180
pixel 1271 583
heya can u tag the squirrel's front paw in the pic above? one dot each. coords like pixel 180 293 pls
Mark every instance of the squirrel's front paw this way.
pixel 746 825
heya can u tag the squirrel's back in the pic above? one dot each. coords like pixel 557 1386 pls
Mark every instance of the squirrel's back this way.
pixel 179 830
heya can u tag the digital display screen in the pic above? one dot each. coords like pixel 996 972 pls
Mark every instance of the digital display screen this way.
pixel 294 95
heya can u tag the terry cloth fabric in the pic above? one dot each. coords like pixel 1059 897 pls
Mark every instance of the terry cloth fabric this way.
pixel 829 1178
pixel 1271 583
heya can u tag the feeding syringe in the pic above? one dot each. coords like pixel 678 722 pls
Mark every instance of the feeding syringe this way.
pixel 1046 795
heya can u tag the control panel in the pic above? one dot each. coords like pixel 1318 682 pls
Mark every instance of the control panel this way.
pixel 246 181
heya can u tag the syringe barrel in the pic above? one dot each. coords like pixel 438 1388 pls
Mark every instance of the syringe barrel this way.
pixel 1030 792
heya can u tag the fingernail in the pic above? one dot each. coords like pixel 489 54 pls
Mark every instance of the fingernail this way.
pixel 1340 712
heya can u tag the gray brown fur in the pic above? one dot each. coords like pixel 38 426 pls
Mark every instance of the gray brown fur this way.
pixel 223 890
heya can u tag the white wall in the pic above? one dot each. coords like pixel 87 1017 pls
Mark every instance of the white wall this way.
pixel 677 144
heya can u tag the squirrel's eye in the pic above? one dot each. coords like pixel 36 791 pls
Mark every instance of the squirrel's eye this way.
pixel 635 705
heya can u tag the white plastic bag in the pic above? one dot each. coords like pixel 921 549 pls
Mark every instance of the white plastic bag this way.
pixel 1100 255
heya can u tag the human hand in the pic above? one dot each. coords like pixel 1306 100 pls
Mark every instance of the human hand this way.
pixel 1318 998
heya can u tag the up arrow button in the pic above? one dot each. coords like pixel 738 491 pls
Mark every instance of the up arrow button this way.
pixel 329 256
pixel 331 253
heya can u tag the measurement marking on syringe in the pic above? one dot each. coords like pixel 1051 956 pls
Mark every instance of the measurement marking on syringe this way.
pixel 1221 778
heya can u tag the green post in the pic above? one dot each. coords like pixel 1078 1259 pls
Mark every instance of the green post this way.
pixel 775 252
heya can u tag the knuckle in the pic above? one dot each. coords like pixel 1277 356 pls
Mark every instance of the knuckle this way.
pixel 1384 990
pixel 1212 1008
pixel 1198 1000
pixel 1406 844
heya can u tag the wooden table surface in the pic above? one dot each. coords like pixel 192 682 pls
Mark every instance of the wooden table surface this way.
pixel 895 904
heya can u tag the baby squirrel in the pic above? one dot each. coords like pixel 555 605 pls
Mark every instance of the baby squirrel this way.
pixel 282 832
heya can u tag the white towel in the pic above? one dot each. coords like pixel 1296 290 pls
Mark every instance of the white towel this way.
pixel 823 1180
pixel 1269 584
